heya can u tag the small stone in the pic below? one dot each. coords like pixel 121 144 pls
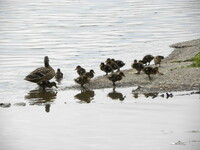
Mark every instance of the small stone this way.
pixel 20 104
pixel 5 105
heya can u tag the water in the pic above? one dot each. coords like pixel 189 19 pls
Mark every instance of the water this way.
pixel 86 33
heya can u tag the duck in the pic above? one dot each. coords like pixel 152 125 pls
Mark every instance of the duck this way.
pixel 90 74
pixel 117 76
pixel 116 95
pixel 158 59
pixel 120 63
pixel 147 59
pixel 82 80
pixel 112 64
pixel 45 84
pixel 81 71
pixel 138 66
pixel 106 68
pixel 150 70
pixel 45 73
pixel 59 74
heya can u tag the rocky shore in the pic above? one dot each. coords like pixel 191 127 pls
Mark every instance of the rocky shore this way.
pixel 177 76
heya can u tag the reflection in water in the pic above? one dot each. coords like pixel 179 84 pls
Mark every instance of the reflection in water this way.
pixel 85 96
pixel 47 108
pixel 135 95
pixel 41 97
pixel 59 80
pixel 116 95
pixel 153 95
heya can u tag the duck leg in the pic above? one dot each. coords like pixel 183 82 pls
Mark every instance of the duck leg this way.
pixel 138 72
pixel 149 77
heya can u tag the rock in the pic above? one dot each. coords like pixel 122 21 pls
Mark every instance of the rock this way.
pixel 20 104
pixel 5 105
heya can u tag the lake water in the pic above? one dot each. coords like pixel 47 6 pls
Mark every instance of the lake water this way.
pixel 86 33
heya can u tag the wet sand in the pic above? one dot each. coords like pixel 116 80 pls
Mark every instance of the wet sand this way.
pixel 177 76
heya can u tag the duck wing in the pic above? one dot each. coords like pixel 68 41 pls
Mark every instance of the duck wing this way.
pixel 42 73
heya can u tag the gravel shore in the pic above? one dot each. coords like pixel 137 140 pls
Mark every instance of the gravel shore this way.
pixel 176 75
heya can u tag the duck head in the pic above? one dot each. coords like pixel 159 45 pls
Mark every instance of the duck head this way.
pixel 53 84
pixel 58 70
pixel 78 67
pixel 108 60
pixel 92 71
pixel 121 74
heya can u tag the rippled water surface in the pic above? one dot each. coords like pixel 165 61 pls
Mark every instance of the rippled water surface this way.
pixel 86 33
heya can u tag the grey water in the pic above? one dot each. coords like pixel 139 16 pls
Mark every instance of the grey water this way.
pixel 86 33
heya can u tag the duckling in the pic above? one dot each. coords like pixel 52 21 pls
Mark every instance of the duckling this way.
pixel 117 76
pixel 44 84
pixel 119 63
pixel 59 74
pixel 147 59
pixel 82 80
pixel 81 71
pixel 157 60
pixel 90 74
pixel 112 64
pixel 150 70
pixel 106 68
pixel 138 66
pixel 45 73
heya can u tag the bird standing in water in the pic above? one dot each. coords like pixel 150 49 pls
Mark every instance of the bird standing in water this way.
pixel 59 74
pixel 42 74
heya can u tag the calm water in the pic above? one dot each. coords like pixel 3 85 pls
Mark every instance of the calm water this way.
pixel 85 32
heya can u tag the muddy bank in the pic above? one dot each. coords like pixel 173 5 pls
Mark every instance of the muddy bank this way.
pixel 176 75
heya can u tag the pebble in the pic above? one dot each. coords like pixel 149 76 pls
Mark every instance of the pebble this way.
pixel 5 105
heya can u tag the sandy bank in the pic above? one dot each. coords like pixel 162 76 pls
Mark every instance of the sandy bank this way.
pixel 176 75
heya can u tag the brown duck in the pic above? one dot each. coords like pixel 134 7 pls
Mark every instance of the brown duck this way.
pixel 82 80
pixel 158 59
pixel 147 59
pixel 120 63
pixel 90 74
pixel 44 84
pixel 81 71
pixel 138 66
pixel 106 68
pixel 150 70
pixel 59 74
pixel 117 76
pixel 45 73
pixel 112 64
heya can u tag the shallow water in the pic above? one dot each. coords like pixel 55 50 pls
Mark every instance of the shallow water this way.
pixel 86 32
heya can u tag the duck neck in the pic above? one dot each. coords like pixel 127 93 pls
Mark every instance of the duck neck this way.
pixel 46 63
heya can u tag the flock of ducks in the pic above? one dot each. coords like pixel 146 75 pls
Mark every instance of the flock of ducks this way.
pixel 42 76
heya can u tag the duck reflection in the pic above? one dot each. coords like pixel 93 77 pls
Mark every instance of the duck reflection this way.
pixel 41 97
pixel 85 96
pixel 153 95
pixel 135 95
pixel 116 95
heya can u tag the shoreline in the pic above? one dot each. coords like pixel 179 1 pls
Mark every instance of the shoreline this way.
pixel 176 75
